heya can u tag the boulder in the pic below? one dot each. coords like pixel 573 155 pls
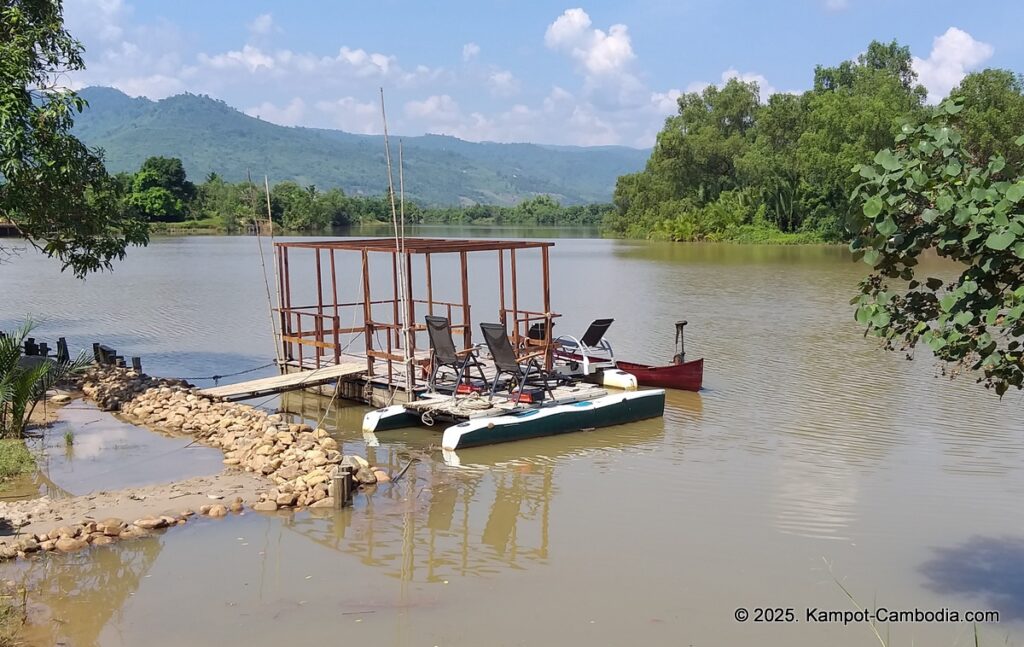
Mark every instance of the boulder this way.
pixel 218 511
pixel 69 544
pixel 265 506
pixel 382 476
pixel 151 523
pixel 111 526
pixel 365 476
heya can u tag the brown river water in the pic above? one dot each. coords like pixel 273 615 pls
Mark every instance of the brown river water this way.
pixel 813 464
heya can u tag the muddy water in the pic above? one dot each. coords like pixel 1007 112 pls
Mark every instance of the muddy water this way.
pixel 811 460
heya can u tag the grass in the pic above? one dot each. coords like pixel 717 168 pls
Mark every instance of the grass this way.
pixel 15 459
pixel 69 438
pixel 13 605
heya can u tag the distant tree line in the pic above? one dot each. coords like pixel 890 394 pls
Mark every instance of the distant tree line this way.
pixel 161 192
pixel 728 166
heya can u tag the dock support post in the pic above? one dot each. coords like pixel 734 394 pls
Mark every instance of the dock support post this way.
pixel 341 490
pixel 137 364
pixel 62 350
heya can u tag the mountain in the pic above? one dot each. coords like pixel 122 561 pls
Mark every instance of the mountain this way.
pixel 211 136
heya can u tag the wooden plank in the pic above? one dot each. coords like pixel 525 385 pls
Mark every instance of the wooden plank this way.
pixel 286 382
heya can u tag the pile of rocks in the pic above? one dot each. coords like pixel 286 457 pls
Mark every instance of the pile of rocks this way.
pixel 20 513
pixel 69 538
pixel 110 387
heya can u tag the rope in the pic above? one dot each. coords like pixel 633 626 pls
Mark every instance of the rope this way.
pixel 217 378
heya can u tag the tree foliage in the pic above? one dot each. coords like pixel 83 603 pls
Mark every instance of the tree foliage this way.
pixel 727 164
pixel 52 187
pixel 935 190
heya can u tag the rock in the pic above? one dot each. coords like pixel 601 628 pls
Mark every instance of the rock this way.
pixel 265 506
pixel 327 502
pixel 382 476
pixel 218 511
pixel 354 462
pixel 103 540
pixel 60 398
pixel 68 544
pixel 151 523
pixel 328 443
pixel 286 499
pixel 236 506
pixel 27 545
pixel 47 545
pixel 365 476
pixel 111 526
pixel 205 509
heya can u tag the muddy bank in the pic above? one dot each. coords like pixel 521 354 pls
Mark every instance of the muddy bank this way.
pixel 271 464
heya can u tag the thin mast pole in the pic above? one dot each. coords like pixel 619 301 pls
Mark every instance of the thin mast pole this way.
pixel 398 244
pixel 263 265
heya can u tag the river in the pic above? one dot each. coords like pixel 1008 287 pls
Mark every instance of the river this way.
pixel 813 464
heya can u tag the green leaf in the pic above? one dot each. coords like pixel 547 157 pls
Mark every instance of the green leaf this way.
pixel 887 160
pixel 1019 141
pixel 929 215
pixel 953 108
pixel 871 257
pixel 953 168
pixel 886 227
pixel 963 318
pixel 947 302
pixel 1018 250
pixel 881 319
pixel 944 202
pixel 1015 192
pixel 873 207
pixel 866 172
pixel 1000 240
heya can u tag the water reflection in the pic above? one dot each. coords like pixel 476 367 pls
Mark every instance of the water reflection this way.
pixel 989 569
pixel 74 598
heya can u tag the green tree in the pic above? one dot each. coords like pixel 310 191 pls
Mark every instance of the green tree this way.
pixel 931 192
pixel 52 187
pixel 993 114
pixel 161 191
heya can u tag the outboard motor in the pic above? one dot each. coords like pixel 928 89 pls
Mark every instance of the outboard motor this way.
pixel 680 355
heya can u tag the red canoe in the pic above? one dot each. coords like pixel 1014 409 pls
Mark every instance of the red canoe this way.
pixel 687 376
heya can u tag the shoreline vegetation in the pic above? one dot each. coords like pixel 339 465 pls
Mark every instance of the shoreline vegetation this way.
pixel 727 167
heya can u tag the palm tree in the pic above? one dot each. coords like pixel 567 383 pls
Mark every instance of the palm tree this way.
pixel 24 381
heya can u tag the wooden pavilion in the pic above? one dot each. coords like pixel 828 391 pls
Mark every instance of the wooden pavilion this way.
pixel 384 327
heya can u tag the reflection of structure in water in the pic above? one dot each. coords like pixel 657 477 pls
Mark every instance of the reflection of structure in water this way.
pixel 433 523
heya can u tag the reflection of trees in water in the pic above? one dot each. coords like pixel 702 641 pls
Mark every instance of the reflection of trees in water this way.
pixel 990 569
pixel 81 592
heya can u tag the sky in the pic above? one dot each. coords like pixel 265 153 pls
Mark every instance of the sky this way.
pixel 599 73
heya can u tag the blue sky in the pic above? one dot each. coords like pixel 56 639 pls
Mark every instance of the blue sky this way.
pixel 548 72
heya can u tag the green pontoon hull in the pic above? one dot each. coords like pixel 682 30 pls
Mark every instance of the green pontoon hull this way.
pixel 605 411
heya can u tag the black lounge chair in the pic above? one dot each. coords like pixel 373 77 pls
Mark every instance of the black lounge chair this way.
pixel 445 355
pixel 523 370
pixel 592 349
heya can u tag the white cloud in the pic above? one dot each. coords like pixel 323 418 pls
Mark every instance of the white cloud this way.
pixel 598 52
pixel 666 102
pixel 291 114
pixel 953 55
pixel 470 51
pixel 351 115
pixel 261 24
pixel 437 109
pixel 96 19
pixel 503 83
pixel 766 88
pixel 249 57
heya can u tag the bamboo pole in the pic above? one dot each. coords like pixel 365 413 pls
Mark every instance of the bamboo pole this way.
pixel 263 265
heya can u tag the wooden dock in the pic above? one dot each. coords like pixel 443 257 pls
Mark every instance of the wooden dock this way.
pixel 287 382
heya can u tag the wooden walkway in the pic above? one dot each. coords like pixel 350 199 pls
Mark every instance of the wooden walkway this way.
pixel 286 382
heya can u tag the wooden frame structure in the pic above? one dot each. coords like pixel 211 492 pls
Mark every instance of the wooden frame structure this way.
pixel 314 335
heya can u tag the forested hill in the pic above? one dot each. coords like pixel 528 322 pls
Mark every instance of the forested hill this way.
pixel 210 136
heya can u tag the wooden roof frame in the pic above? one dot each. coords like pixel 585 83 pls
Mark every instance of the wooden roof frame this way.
pixel 418 245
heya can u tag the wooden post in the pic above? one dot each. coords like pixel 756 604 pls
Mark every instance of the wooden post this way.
pixel 367 313
pixel 410 325
pixel 467 331
pixel 62 350
pixel 288 297
pixel 96 352
pixel 501 288
pixel 137 364
pixel 334 291
pixel 430 286
pixel 546 273
pixel 394 330
pixel 515 300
